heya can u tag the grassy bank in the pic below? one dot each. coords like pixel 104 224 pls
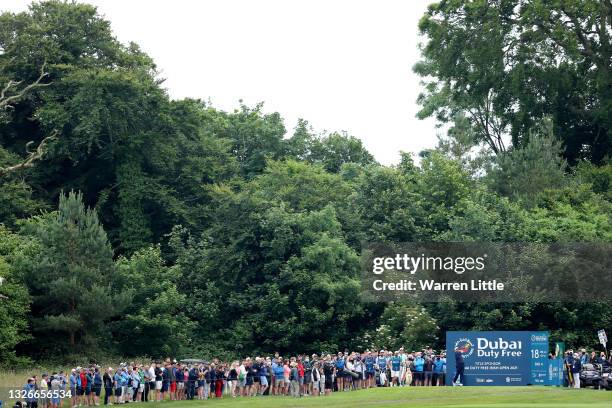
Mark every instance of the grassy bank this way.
pixel 474 397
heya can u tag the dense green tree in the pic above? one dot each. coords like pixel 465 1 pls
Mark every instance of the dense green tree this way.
pixel 405 325
pixel 522 173
pixel 386 203
pixel 69 278
pixel 267 276
pixel 508 64
pixel 336 149
pixel 226 238
pixel 329 150
pixel 255 138
pixel 14 297
pixel 153 323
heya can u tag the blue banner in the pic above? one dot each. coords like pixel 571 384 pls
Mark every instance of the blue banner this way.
pixel 498 358
pixel 555 372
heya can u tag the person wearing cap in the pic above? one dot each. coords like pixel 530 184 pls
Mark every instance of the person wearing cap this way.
pixel 395 363
pixel 81 385
pixel 73 388
pixel 43 387
pixel 62 378
pixel 118 388
pixel 438 364
pixel 315 379
pixel 370 372
pixel 428 369
pixel 340 364
pixel 381 364
pixel 584 357
pixel 55 386
pixel 30 393
pixel 576 367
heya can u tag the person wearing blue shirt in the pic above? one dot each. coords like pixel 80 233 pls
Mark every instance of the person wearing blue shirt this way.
pixel 381 362
pixel 125 380
pixel 396 363
pixel 97 386
pixel 279 377
pixel 438 366
pixel 370 371
pixel 89 387
pixel 340 362
pixel 73 387
pixel 30 394
pixel 118 387
pixel 263 376
pixel 135 383
pixel 419 362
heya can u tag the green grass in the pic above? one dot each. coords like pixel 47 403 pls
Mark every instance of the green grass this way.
pixel 473 397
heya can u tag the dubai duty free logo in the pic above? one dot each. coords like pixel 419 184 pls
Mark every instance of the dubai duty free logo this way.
pixel 465 346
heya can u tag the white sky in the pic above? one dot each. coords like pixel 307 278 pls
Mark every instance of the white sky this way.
pixel 340 64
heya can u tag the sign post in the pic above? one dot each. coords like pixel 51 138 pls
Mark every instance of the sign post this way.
pixel 603 338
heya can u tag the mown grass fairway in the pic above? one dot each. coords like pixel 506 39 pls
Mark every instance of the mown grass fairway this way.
pixel 474 397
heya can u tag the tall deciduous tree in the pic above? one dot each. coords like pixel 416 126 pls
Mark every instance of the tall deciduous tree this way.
pixel 14 297
pixel 154 322
pixel 508 64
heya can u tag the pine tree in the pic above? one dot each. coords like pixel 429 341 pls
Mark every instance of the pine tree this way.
pixel 70 279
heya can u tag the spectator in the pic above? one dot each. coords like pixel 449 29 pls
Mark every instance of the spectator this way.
pixel 107 380
pixel 576 367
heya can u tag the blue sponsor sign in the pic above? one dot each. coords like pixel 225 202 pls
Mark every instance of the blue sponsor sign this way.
pixel 555 372
pixel 499 357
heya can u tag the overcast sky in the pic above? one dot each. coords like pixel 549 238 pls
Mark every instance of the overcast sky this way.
pixel 341 65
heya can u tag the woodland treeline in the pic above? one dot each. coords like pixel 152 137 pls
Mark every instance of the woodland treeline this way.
pixel 133 224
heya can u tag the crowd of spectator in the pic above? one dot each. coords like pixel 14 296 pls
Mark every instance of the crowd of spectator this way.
pixel 296 376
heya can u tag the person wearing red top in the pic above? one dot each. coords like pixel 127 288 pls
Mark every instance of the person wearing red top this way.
pixel 300 368
pixel 83 377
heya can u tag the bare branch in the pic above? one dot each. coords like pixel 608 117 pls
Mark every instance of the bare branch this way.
pixel 32 157
pixel 6 100
pixel 9 95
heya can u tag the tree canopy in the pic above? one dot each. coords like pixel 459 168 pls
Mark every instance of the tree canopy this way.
pixel 224 234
